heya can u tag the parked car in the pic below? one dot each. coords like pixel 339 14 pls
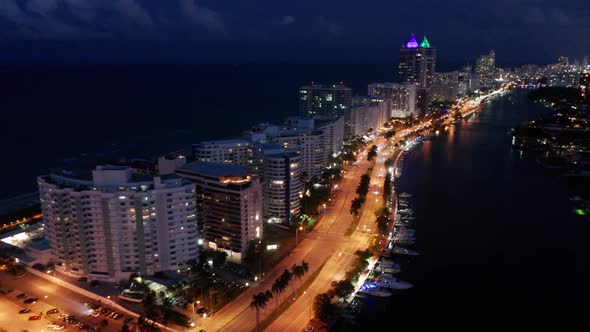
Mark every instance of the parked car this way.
pixel 34 317
pixel 24 311
pixel 39 267
pixel 52 311
pixel 31 300
pixel 22 295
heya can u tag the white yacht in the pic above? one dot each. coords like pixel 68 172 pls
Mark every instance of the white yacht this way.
pixel 404 251
pixel 391 283
pixel 372 289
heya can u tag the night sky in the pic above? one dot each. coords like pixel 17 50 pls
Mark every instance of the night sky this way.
pixel 520 31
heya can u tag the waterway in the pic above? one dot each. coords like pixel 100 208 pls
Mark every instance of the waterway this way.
pixel 501 247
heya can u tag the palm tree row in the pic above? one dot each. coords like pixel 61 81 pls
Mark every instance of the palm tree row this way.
pixel 260 300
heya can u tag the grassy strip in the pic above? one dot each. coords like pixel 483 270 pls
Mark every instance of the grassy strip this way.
pixel 286 304
pixel 352 227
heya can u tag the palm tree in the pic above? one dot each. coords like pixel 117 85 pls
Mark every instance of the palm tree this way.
pixel 149 302
pixel 297 271
pixel 268 295
pixel 167 310
pixel 258 302
pixel 304 266
pixel 276 288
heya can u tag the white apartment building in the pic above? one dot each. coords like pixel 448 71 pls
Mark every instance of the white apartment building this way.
pixel 229 205
pixel 310 145
pixel 282 184
pixel 333 128
pixel 369 114
pixel 230 151
pixel 118 223
pixel 402 96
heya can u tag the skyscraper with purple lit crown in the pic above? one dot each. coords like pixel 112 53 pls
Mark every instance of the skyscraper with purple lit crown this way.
pixel 417 62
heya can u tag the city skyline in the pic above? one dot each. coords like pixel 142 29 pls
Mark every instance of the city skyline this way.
pixel 188 31
pixel 340 199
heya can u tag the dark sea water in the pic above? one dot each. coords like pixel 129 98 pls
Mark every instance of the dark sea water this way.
pixel 501 247
pixel 70 117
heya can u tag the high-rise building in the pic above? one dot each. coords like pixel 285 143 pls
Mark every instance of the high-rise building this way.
pixel 417 63
pixel 402 96
pixel 485 70
pixel 445 86
pixel 324 99
pixel 118 222
pixel 229 206
pixel 369 114
pixel 282 184
pixel 333 128
pixel 230 151
pixel 310 145
pixel 331 100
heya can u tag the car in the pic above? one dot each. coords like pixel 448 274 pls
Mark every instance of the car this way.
pixel 52 311
pixel 24 311
pixel 22 295
pixel 58 327
pixel 34 317
pixel 39 267
pixel 118 316
pixel 94 283
pixel 95 314
pixel 31 300
pixel 83 279
pixel 84 326
pixel 202 310
pixel 334 283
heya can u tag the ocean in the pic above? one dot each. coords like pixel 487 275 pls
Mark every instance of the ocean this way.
pixel 69 117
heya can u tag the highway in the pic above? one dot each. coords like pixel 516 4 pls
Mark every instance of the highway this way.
pixel 299 314
pixel 326 239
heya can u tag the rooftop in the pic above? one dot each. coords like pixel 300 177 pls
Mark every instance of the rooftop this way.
pixel 215 169
pixel 225 141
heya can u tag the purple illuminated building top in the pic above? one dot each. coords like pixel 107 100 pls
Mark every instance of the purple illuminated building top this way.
pixel 412 43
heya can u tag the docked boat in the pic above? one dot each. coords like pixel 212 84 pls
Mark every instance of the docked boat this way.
pixel 404 242
pixel 388 263
pixel 404 251
pixel 391 283
pixel 372 289
pixel 405 195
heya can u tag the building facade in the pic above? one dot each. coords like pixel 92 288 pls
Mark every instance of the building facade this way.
pixel 282 185
pixel 369 114
pixel 231 151
pixel 402 96
pixel 229 206
pixel 117 223
pixel 310 145
pixel 485 70
pixel 327 100
pixel 417 63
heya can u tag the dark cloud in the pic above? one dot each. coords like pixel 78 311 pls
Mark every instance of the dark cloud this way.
pixel 461 29
pixel 204 17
